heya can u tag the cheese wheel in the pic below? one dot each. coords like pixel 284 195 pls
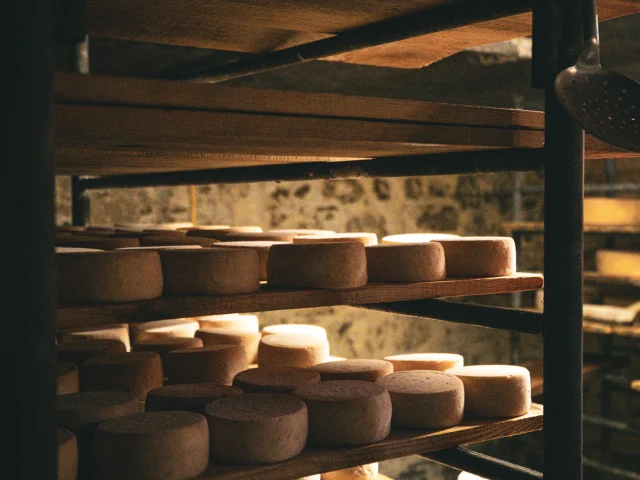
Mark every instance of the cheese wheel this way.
pixel 160 226
pixel 222 271
pixel 248 340
pixel 68 380
pixel 191 397
pixel 469 476
pixel 346 412
pixel 77 351
pixel 108 277
pixel 611 211
pixel 257 428
pixel 133 372
pixel 425 361
pixel 318 265
pixel 362 472
pixel 220 233
pixel 416 238
pixel 362 237
pixel 301 231
pixel 495 391
pixel 177 327
pixel 164 345
pixel 275 379
pixel 100 243
pixel 173 240
pixel 256 236
pixel 617 263
pixel 360 369
pixel 153 446
pixel 260 246
pixel 76 250
pixel 296 329
pixel 479 256
pixel 215 364
pixel 163 247
pixel 405 263
pixel 424 399
pixel 119 331
pixel 292 350
pixel 229 320
pixel 67 455
pixel 205 227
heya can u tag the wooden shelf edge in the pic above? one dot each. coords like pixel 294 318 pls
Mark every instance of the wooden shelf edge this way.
pixel 538 227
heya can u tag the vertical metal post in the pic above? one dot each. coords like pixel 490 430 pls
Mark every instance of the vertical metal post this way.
pixel 516 297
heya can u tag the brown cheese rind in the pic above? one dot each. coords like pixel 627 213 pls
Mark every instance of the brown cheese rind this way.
pixel 360 369
pixel 214 364
pixel 275 379
pixel 68 379
pixel 292 350
pixel 177 327
pixel 190 397
pixel 78 351
pixel 67 455
pixel 425 361
pixel 248 340
pixel 479 256
pixel 406 263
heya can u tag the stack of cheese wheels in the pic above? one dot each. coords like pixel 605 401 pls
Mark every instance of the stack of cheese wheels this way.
pixel 78 351
pixel 257 428
pixel 336 406
pixel 425 361
pixel 67 455
pixel 190 397
pixel 246 339
pixel 292 350
pixel 611 211
pixel 363 237
pixel 275 379
pixel 118 332
pixel 261 247
pixel 108 277
pixel 362 472
pixel 164 345
pixel 155 445
pixel 173 240
pixel 223 271
pixel 405 263
pixel 229 320
pixel 618 263
pixel 214 364
pixel 318 265
pixel 360 369
pixel 495 391
pixel 68 378
pixel 479 256
pixel 133 372
pixel 98 242
pixel 416 238
pixel 177 327
pixel 297 232
pixel 296 329
pixel 424 399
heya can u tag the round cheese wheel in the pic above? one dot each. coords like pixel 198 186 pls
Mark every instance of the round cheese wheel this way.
pixel 362 472
pixel 155 445
pixel 260 246
pixel 173 240
pixel 190 397
pixel 302 231
pixel 222 271
pixel 275 379
pixel 133 372
pixel 362 237
pixel 346 412
pixel 68 378
pixel 495 391
pixel 161 226
pixel 100 243
pixel 611 211
pixel 119 331
pixel 618 263
pixel 164 345
pixel 416 238
pixel 215 364
pixel 218 233
pixel 177 327
pixel 67 455
pixel 296 329
pixel 425 361
pixel 77 351
pixel 405 263
pixel 479 256
pixel 229 320
pixel 256 236
pixel 360 369
pixel 248 340
pixel 469 476
pixel 205 227
pixel 318 265
pixel 108 277
pixel 257 428
pixel 292 350
pixel 163 247
pixel 424 399
pixel 76 250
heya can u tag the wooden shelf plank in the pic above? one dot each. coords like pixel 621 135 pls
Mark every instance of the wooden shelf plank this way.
pixel 538 227
pixel 399 444
pixel 268 298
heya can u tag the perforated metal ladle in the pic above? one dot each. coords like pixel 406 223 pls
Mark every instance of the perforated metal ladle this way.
pixel 605 103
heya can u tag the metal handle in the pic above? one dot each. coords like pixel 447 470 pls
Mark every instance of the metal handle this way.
pixel 590 21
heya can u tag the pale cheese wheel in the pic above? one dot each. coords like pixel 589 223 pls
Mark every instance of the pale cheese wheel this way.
pixel 318 265
pixel 78 351
pixel 101 243
pixel 618 263
pixel 118 331
pixel 611 211
pixel 425 361
pixel 302 231
pixel 361 472
pixel 67 455
pixel 222 271
pixel 108 277
pixel 68 378
pixel 261 247
pixel 153 446
pixel 425 399
pixel 495 391
pixel 405 263
pixel 160 226
pixel 133 372
pixel 205 227
pixel 164 345
pixel 218 233
pixel 275 379
pixel 248 340
pixel 256 236
pixel 229 320
pixel 296 329
pixel 416 238
pixel 469 476
pixel 162 247
pixel 215 364
pixel 76 250
pixel 479 256
pixel 172 240
pixel 176 327
pixel 292 350
pixel 358 369
pixel 257 428
pixel 365 238
pixel 190 397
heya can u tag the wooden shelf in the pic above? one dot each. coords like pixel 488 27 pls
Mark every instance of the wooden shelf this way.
pixel 398 444
pixel 268 298
pixel 538 227
pixel 600 328
pixel 595 278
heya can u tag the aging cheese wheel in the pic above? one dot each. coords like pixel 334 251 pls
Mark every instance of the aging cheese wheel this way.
pixel 100 243
pixel 177 327
pixel 611 211
pixel 318 265
pixel 618 263
pixel 108 277
pixel 118 331
pixel 363 237
pixel 156 226
pixel 229 320
pixel 67 455
pixel 191 397
pixel 261 247
pixel 257 428
pixel 302 231
pixel 256 236
pixel 164 345
pixel 405 263
pixel 292 350
pixel 154 446
pixel 416 238
pixel 479 256
pixel 76 250
pixel 215 364
pixel 296 329
pixel 133 372
pixel 77 351
pixel 275 379
pixel 68 378
pixel 425 361
pixel 424 399
pixel 359 369
pixel 362 472
pixel 219 232
pixel 205 227
pixel 172 240
pixel 222 271
pixel 163 247
pixel 248 340
pixel 495 390
pixel 346 412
